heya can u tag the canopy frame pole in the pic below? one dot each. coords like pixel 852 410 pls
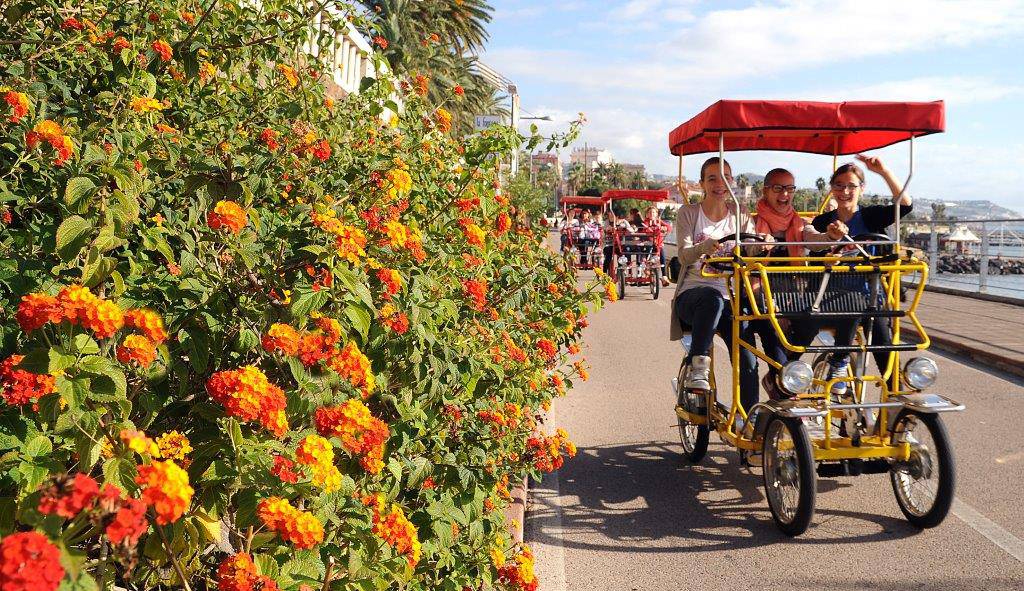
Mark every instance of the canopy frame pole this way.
pixel 835 153
pixel 679 181
pixel 896 200
pixel 721 174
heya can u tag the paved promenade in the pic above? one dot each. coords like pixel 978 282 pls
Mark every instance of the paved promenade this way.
pixel 991 333
pixel 628 513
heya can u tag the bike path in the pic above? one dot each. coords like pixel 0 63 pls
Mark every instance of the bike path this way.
pixel 629 513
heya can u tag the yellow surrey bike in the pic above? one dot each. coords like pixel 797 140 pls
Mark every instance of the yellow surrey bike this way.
pixel 813 433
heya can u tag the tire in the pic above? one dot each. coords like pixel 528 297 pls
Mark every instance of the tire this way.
pixel 622 283
pixel 915 481
pixel 655 284
pixel 788 476
pixel 694 438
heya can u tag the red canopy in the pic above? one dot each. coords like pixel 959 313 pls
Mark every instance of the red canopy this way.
pixel 582 200
pixel 643 194
pixel 800 126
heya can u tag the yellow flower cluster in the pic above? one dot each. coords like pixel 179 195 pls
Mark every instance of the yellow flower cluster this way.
pixel 318 454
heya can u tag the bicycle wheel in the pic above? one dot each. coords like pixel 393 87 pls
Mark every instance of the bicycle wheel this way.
pixel 694 438
pixel 622 283
pixel 924 484
pixel 789 475
pixel 655 283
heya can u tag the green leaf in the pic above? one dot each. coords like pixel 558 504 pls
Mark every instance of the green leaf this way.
pixel 148 85
pixel 78 188
pixel 307 302
pixel 121 472
pixel 72 235
pixel 359 316
pixel 421 468
pixel 60 359
pixel 125 208
pixel 85 345
pixel 267 565
pixel 40 445
pixel 84 582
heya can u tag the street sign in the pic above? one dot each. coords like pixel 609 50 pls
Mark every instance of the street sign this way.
pixel 482 122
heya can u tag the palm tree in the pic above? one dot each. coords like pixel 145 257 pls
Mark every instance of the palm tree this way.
pixel 411 27
pixel 577 178
pixel 637 180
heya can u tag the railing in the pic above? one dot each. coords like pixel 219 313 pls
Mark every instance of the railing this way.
pixel 998 254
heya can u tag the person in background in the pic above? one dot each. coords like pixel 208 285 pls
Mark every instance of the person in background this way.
pixel 657 228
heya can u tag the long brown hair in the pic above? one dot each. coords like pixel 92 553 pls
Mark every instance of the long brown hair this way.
pixel 849 167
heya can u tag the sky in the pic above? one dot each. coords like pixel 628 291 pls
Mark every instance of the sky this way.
pixel 639 68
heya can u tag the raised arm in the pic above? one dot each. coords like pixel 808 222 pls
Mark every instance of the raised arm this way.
pixel 875 165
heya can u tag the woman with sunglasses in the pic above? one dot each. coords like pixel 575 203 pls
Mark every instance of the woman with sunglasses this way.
pixel 850 219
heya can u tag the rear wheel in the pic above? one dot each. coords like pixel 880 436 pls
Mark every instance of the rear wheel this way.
pixel 789 476
pixel 622 282
pixel 694 438
pixel 655 283
pixel 925 484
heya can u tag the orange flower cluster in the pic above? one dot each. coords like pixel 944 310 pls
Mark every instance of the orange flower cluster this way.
pixel 349 240
pixel 421 83
pixel 138 349
pixel 467 204
pixel 163 49
pixel 19 387
pixel 399 183
pixel 502 223
pixel 289 75
pixel 283 338
pixel 247 394
pixel 391 525
pixel 52 133
pixel 269 138
pixel 361 434
pixel 18 101
pixel 238 573
pixel 77 305
pixel 581 369
pixel 352 365
pixel 558 383
pixel 165 488
pixel 443 119
pixel 391 281
pixel 321 150
pixel 295 526
pixel 148 322
pixel 145 105
pixel 318 454
pixel 476 291
pixel 546 452
pixel 175 446
pixel 393 319
pixel 610 291
pixel 518 574
pixel 120 44
pixel 227 214
pixel 547 349
pixel 139 442
pixel 474 233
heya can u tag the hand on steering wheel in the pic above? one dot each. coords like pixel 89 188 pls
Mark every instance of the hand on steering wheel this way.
pixel 869 236
pixel 744 237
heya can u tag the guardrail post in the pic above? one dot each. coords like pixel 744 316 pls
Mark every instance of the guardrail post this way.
pixel 983 271
pixel 933 251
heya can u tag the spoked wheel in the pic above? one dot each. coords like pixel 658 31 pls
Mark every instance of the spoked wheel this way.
pixel 622 283
pixel 789 475
pixel 694 438
pixel 924 484
pixel 655 283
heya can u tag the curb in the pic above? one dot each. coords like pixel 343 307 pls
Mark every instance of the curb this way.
pixel 969 294
pixel 1001 362
pixel 515 511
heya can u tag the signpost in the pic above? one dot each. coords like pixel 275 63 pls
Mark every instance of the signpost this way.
pixel 482 122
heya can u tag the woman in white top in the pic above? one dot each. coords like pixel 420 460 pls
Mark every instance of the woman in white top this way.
pixel 701 304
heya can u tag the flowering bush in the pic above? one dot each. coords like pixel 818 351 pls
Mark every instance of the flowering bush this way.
pixel 257 336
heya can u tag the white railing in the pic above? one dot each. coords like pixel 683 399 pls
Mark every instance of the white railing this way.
pixel 349 53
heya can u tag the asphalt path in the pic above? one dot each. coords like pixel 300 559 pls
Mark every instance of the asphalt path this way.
pixel 629 513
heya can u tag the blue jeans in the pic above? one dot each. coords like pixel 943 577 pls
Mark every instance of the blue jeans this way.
pixel 704 311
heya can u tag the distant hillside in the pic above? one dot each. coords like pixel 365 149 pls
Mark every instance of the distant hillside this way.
pixel 964 209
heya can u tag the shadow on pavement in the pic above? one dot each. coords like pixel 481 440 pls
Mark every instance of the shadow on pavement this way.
pixel 645 497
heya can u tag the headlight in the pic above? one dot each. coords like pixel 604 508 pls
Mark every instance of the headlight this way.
pixel 797 377
pixel 920 373
pixel 623 260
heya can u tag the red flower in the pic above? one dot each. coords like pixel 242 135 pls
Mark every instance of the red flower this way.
pixel 29 562
pixel 162 49
pixel 283 470
pixel 476 290
pixel 70 497
pixel 380 42
pixel 72 24
pixel 129 522
pixel 459 91
pixel 322 150
pixel 547 349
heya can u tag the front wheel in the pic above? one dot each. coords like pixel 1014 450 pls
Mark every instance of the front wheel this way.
pixel 622 283
pixel 655 283
pixel 924 484
pixel 694 438
pixel 789 475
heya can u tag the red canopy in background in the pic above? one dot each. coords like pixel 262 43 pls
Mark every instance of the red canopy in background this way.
pixel 801 126
pixel 582 200
pixel 641 194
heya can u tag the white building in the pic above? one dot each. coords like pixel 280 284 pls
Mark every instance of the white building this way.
pixel 590 157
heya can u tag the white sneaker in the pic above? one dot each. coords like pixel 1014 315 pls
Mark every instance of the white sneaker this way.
pixel 839 371
pixel 699 376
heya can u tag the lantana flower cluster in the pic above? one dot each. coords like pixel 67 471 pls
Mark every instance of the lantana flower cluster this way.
pixel 391 525
pixel 318 348
pixel 317 454
pixel 247 394
pixel 518 573
pixel 18 386
pixel 293 525
pixel 546 451
pixel 238 573
pixel 361 434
